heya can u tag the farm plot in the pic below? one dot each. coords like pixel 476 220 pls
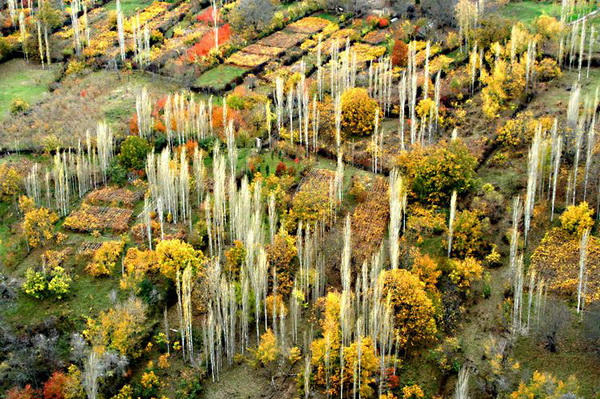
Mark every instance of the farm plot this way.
pixel 220 78
pixel 369 220
pixel 314 199
pixel 89 218
pixel 113 196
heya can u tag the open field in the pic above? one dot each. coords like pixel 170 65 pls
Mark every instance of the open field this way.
pixel 25 81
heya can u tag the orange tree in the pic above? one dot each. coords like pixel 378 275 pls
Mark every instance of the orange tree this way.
pixel 413 310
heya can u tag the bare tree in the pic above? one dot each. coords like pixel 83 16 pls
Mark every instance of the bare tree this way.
pixel 441 11
pixel 252 14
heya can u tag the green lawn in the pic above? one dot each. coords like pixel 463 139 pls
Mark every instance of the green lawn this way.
pixel 129 7
pixel 28 82
pixel 218 78
pixel 527 11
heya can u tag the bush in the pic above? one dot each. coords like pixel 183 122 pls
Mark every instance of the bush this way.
pixel 10 183
pixel 439 170
pixel 358 112
pixel 18 105
pixel 133 153
pixel 547 69
pixel 577 218
pixel 400 53
pixel 56 283
pixel 469 231
pixel 105 258
pixel 465 272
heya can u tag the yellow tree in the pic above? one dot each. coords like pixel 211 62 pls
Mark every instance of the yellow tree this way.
pixel 175 255
pixel 268 351
pixel 358 112
pixel 281 254
pixel 413 310
pixel 38 226
pixel 465 272
pixel 120 328
pixel 546 386
pixel 137 265
pixel 577 218
pixel 10 182
pixel 362 365
pixel 325 351
pixel 426 269
pixel 105 258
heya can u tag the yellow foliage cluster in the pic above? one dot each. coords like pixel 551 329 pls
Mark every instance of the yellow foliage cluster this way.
pixel 557 257
pixel 281 253
pixel 427 270
pixel 275 306
pixel 543 385
pixel 465 272
pixel 120 328
pixel 312 202
pixel 520 130
pixel 505 82
pixel 366 52
pixel 413 310
pixel 105 258
pixel 175 255
pixel 268 350
pixel 38 226
pixel 326 354
pixel 358 112
pixel 424 221
pixel 10 181
pixel 137 264
pixel 577 218
pixel 412 392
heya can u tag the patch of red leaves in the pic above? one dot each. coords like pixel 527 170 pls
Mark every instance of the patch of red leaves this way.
pixel 208 16
pixel 207 43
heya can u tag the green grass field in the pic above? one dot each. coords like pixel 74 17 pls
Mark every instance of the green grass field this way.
pixel 217 78
pixel 129 7
pixel 527 11
pixel 28 82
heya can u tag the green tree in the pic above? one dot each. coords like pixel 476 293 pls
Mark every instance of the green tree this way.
pixel 133 153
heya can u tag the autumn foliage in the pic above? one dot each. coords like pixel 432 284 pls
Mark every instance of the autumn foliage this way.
pixel 358 112
pixel 413 310
pixel 207 43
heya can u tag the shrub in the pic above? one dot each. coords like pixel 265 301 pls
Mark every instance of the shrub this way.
pixel 75 67
pixel 358 112
pixel 577 218
pixel 56 283
pixel 465 272
pixel 547 69
pixel 10 182
pixel 399 53
pixel 439 170
pixel 133 153
pixel 469 231
pixel 105 258
pixel 18 105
